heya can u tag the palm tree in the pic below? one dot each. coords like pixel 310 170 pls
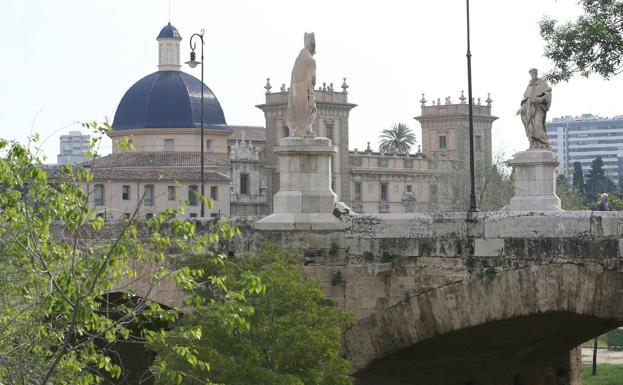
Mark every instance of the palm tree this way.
pixel 397 140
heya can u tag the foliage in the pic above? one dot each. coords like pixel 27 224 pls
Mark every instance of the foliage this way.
pixel 494 187
pixel 294 334
pixel 396 140
pixel 569 198
pixel 60 265
pixel 591 44
pixel 578 178
pixel 607 374
pixel 336 278
pixel 597 182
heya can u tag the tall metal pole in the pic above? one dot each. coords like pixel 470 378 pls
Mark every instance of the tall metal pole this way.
pixel 193 63
pixel 202 144
pixel 472 195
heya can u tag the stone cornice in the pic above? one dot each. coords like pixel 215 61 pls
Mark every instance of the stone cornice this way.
pixel 168 131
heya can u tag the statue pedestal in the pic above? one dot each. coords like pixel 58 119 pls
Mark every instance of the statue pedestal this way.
pixel 305 199
pixel 535 181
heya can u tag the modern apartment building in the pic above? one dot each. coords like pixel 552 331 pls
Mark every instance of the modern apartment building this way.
pixel 584 138
pixel 72 147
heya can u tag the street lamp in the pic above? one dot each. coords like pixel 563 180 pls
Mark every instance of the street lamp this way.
pixel 473 208
pixel 193 63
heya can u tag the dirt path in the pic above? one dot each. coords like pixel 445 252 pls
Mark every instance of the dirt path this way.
pixel 604 356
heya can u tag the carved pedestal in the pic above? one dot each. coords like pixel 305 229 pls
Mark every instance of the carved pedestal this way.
pixel 535 181
pixel 305 199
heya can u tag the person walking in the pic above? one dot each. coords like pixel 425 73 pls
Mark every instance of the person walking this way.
pixel 604 205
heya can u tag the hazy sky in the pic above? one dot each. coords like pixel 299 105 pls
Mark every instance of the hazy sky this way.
pixel 67 61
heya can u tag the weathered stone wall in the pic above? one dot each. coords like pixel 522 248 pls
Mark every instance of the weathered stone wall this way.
pixel 380 259
pixel 501 297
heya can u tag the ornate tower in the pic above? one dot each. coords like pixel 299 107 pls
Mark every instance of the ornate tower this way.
pixel 331 122
pixel 248 190
pixel 445 129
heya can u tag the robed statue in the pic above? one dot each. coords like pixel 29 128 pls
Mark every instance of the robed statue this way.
pixel 534 106
pixel 302 101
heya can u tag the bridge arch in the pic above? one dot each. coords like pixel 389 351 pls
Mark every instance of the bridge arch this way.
pixel 514 327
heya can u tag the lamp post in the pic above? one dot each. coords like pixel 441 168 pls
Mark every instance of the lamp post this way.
pixel 472 195
pixel 193 63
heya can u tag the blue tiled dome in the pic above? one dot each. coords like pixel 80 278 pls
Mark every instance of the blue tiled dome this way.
pixel 168 99
pixel 169 32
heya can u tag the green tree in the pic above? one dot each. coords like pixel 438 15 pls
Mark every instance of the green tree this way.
pixel 578 178
pixel 293 339
pixel 593 43
pixel 569 198
pixel 396 140
pixel 597 182
pixel 60 266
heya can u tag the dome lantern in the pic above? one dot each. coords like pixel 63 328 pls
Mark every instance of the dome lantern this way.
pixel 169 49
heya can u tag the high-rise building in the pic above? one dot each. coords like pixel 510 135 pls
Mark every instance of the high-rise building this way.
pixel 72 147
pixel 584 138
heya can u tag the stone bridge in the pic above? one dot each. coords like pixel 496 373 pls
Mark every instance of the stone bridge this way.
pixel 494 298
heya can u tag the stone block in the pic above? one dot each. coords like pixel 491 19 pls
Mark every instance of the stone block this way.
pixel 375 269
pixel 563 224
pixel 535 183
pixel 288 202
pixel 492 247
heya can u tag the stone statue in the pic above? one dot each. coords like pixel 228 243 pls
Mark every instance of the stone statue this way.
pixel 534 106
pixel 302 101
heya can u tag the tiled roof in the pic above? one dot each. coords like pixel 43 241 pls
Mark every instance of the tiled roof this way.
pixel 159 159
pixel 147 174
pixel 254 133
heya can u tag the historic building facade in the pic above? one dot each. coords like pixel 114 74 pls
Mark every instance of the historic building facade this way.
pixel 160 115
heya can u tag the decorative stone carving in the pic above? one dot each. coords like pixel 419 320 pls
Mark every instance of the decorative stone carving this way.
pixel 267 87
pixel 534 106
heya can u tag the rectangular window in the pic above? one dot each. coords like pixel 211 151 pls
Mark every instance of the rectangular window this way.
pixel 408 163
pixel 358 190
pixel 442 143
pixel 148 195
pixel 149 216
pixel 409 188
pixel 328 131
pixel 171 193
pixel 433 193
pixel 381 162
pixel 125 192
pixel 478 143
pixel 98 195
pixel 169 144
pixel 244 183
pixel 214 193
pixel 193 215
pixel 384 191
pixel 192 195
pixel 213 215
